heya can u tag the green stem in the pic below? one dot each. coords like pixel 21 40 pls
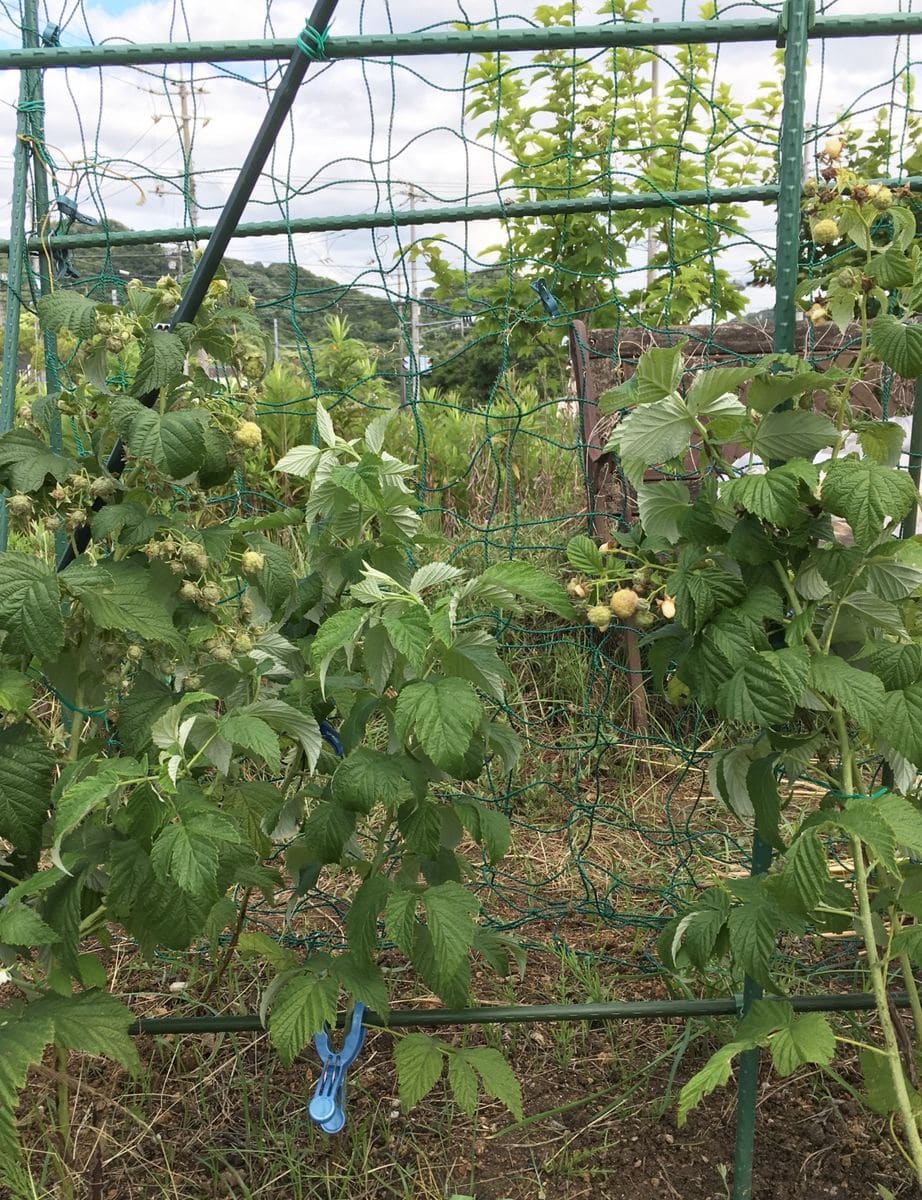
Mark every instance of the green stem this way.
pixel 62 1114
pixel 879 988
pixel 915 1004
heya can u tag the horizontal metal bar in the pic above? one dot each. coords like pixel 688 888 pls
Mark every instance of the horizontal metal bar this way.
pixel 464 41
pixel 618 1010
pixel 442 215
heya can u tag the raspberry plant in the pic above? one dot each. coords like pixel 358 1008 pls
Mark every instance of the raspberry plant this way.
pixel 164 694
pixel 780 598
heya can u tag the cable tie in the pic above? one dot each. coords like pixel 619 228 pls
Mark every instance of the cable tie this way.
pixel 875 795
pixel 313 43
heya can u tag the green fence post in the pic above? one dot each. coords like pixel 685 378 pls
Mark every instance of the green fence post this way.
pixel 17 253
pixel 795 24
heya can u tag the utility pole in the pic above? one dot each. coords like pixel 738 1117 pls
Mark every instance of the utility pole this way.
pixel 187 120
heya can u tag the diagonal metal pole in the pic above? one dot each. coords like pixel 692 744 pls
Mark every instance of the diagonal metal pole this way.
pixel 797 19
pixel 276 115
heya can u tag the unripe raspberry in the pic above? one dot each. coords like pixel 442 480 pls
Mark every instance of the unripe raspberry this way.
pixel 222 653
pixel 189 590
pixel 135 653
pixel 644 620
pixel 667 607
pixel 252 562
pixel 194 556
pixel 883 199
pixel 623 603
pixel 576 588
pixel 19 505
pixel 817 314
pixel 102 486
pixel 832 148
pixel 599 616
pixel 825 232
pixel 248 435
pixel 211 593
pixel 177 567
pixel 243 643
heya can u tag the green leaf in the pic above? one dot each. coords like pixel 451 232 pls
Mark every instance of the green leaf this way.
pixel 400 920
pixel 95 1023
pixel 862 820
pixel 26 461
pixel 878 1082
pixel 654 433
pixel 284 718
pixel 891 580
pixel 584 555
pixel 714 382
pixel 763 794
pixel 15 692
pixel 898 665
pixel 898 344
pixel 304 1005
pixel 714 1074
pixel 367 777
pixel 433 574
pixel 890 269
pixel 883 442
pixel 904 819
pixel 67 312
pixel 902 721
pixel 658 372
pixel 419 1061
pixel 758 693
pixel 276 578
pixel 326 832
pixel 162 360
pixel 300 461
pixel 24 1034
pixel 128 596
pixel 250 733
pixel 806 872
pixel 868 495
pixel 793 433
pixel 660 506
pixel 449 908
pixel 26 765
pixel 774 496
pixel 860 693
pixel 362 917
pixel 410 633
pixel 22 926
pixel 463 1083
pixel 807 1039
pixel 148 699
pixel 79 799
pixel 30 605
pixel 444 713
pixel 752 940
pixel 186 855
pixel 531 583
pixel 339 631
pixel 253 944
pixel 496 1076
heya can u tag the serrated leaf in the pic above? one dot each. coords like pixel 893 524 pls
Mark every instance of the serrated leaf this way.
pixel 898 665
pixel 532 584
pixel 301 1009
pixel 715 382
pixel 861 819
pixel 444 714
pixel 95 1023
pixel 419 1062
pixel 654 433
pixel 891 580
pixel 714 1074
pixel 497 1077
pixel 752 940
pixel 898 344
pixel 449 908
pixel 400 920
pixel 883 442
pixel 902 721
pixel 362 918
pixel 758 693
pixel 26 765
pixel 660 506
pixel 806 871
pixel 301 461
pixel 324 425
pixel 326 832
pixel 793 433
pixel 301 727
pixel 125 596
pixel 67 312
pixel 276 577
pixel 807 1039
pixel 410 632
pixel 249 732
pixel 433 574
pixel 463 1082
pixel 186 855
pixel 859 693
pixel 904 819
pixel 15 692
pixel 658 372
pixel 162 360
pixel 26 461
pixel 79 799
pixel 774 496
pixel 366 777
pixel 867 495
pixel 30 605
pixel 340 631
pixel 22 926
pixel 584 555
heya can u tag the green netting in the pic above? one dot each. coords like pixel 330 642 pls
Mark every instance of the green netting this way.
pixel 613 821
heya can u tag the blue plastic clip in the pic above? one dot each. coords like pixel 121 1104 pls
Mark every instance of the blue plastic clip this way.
pixel 551 307
pixel 331 737
pixel 327 1107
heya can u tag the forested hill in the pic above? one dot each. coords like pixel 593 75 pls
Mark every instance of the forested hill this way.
pixel 296 297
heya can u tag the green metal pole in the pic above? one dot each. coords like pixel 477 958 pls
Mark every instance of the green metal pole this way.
pixel 444 214
pixel 797 18
pixel 40 208
pixel 436 1018
pixel 16 253
pixel 470 41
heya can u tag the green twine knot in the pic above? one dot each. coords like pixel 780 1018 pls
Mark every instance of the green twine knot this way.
pixel 31 106
pixel 313 43
pixel 837 795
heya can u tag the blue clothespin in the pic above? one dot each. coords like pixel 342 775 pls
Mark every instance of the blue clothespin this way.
pixel 327 1106
pixel 551 307
pixel 331 737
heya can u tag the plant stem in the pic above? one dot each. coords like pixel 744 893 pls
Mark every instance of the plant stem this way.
pixel 915 1004
pixel 62 1115
pixel 216 978
pixel 879 988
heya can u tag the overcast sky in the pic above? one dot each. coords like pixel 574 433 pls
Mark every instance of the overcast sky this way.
pixel 359 132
